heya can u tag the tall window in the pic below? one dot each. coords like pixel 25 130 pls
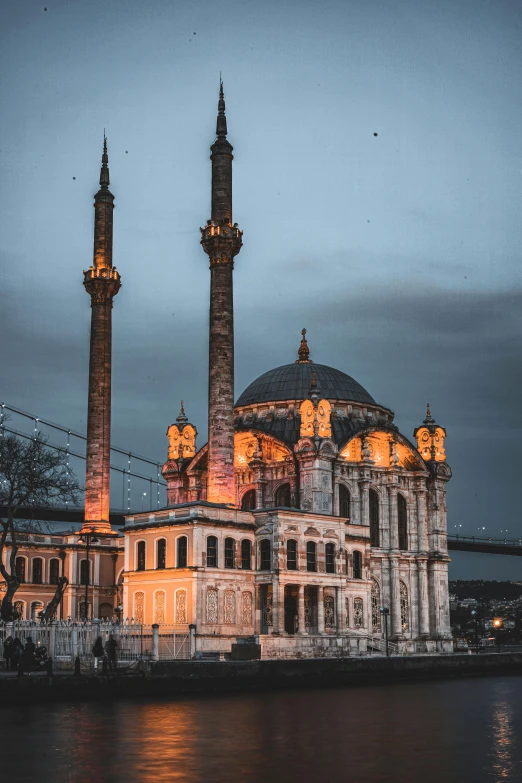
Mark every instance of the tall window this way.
pixel 357 565
pixel 36 608
pixel 248 501
pixel 37 570
pixel 344 502
pixel 141 556
pixel 54 571
pixel 246 554
pixel 311 556
pixel 291 555
pixel 230 553
pixel 374 518
pixel 84 572
pixel 161 552
pixel 182 552
pixel 212 552
pixel 282 496
pixel 20 569
pixel 264 548
pixel 330 558
pixel 402 520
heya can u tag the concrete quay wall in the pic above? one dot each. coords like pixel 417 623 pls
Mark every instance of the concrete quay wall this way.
pixel 172 678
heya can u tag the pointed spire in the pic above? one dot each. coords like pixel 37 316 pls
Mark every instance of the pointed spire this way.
pixel 104 173
pixel 182 418
pixel 221 124
pixel 429 418
pixel 304 351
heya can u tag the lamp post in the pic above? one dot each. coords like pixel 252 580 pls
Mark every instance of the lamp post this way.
pixel 385 612
pixel 474 614
pixel 87 539
pixel 497 625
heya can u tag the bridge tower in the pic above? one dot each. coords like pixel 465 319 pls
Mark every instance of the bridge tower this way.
pixel 102 283
pixel 221 240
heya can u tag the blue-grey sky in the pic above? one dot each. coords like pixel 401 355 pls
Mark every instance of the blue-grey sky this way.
pixel 399 252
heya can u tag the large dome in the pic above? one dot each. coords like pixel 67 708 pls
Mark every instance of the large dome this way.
pixel 293 381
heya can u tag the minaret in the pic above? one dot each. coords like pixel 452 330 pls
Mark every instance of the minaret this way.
pixel 102 283
pixel 221 240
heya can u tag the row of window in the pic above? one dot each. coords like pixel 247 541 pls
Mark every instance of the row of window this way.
pixel 211 556
pixel 36 576
pixel 283 498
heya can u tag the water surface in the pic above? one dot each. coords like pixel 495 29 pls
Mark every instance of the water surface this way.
pixel 435 732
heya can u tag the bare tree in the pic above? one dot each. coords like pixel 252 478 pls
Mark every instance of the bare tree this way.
pixel 32 476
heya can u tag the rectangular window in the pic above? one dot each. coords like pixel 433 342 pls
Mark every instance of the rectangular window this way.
pixel 230 553
pixel 291 555
pixel 330 558
pixel 212 553
pixel 182 552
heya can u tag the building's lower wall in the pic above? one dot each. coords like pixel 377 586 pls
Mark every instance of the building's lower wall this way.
pixel 311 646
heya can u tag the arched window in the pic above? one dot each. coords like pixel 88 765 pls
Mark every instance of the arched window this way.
pixel 230 553
pixel 330 558
pixel 357 565
pixel 248 501
pixel 106 611
pixel 19 610
pixel 246 554
pixel 85 610
pixel 181 606
pixel 329 611
pixel 36 608
pixel 85 572
pixel 358 613
pixel 282 496
pixel 291 554
pixel 311 556
pixel 344 502
pixel 161 554
pixel 37 570
pixel 405 608
pixel 374 518
pixel 402 522
pixel 181 544
pixel 139 607
pixel 20 569
pixel 212 552
pixel 141 556
pixel 376 607
pixel 159 607
pixel 54 571
pixel 264 550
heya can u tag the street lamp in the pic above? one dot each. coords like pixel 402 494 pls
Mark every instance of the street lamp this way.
pixel 385 612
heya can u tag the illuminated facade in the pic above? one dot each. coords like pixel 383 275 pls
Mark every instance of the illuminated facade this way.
pixel 305 514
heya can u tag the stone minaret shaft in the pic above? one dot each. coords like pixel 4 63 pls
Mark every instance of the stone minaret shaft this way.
pixel 222 241
pixel 102 283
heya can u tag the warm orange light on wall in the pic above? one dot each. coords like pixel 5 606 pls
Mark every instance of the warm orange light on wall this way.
pixel 383 451
pixel 246 445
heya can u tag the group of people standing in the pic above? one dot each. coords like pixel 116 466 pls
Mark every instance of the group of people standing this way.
pixel 18 656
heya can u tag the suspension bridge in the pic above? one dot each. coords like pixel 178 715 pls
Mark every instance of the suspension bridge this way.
pixel 136 481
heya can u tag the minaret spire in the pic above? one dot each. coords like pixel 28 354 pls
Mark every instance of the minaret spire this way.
pixel 221 240
pixel 102 283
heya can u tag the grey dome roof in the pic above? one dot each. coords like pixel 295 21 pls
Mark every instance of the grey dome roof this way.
pixel 293 381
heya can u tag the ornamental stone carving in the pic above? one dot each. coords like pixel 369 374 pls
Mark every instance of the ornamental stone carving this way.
pixel 181 606
pixel 230 607
pixel 212 605
pixel 159 607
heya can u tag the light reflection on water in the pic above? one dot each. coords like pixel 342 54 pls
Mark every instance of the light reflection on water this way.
pixel 463 730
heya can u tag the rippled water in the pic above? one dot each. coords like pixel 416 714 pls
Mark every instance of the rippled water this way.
pixel 463 730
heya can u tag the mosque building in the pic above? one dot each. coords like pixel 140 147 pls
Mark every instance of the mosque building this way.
pixel 308 523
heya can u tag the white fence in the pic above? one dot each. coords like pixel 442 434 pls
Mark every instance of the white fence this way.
pixel 67 640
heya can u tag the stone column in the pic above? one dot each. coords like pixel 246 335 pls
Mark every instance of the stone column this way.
pixel 422 525
pixel 102 283
pixel 222 242
pixel 320 610
pixel 340 608
pixel 396 625
pixel 394 523
pixel 424 609
pixel 364 486
pixel 301 611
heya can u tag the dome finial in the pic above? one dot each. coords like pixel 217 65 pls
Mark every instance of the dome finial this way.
pixel 429 418
pixel 182 416
pixel 304 351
